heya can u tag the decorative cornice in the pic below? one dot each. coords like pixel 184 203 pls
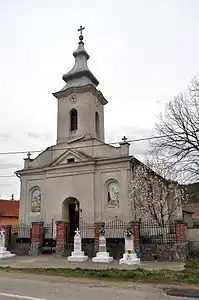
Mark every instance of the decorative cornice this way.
pixel 43 170
pixel 82 89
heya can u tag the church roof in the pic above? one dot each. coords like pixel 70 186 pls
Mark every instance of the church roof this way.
pixel 80 75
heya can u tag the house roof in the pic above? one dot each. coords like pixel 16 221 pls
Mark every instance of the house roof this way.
pixel 187 211
pixel 9 208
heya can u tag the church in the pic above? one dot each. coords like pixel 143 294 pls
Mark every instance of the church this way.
pixel 81 176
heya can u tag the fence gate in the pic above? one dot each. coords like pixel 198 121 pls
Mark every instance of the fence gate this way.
pixel 114 232
pixel 20 239
pixel 49 241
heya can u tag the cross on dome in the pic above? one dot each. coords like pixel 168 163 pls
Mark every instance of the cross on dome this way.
pixel 80 33
pixel 124 139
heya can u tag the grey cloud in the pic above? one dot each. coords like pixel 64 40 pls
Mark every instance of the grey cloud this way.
pixel 5 184
pixel 138 148
pixel 34 135
pixel 5 135
pixel 9 165
pixel 130 132
pixel 49 136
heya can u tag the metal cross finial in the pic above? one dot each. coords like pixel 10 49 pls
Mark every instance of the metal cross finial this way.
pixel 28 155
pixel 80 31
pixel 124 139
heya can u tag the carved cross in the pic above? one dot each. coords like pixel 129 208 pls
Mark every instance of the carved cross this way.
pixel 28 155
pixel 77 231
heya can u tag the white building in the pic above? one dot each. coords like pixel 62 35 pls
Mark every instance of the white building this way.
pixel 80 176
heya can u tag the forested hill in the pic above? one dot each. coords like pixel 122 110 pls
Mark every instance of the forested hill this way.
pixel 193 190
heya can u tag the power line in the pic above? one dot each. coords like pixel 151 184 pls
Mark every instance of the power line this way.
pixel 8 176
pixel 80 147
pixel 67 148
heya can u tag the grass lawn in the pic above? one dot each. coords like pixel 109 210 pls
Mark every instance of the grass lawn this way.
pixel 190 275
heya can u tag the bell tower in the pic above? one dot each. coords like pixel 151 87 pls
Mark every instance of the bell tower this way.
pixel 80 104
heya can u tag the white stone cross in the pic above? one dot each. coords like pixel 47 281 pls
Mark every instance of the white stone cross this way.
pixel 77 231
pixel 2 238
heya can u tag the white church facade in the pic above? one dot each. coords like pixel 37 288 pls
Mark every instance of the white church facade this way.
pixel 80 176
pixel 81 169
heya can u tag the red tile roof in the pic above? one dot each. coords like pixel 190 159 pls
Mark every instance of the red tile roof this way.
pixel 9 208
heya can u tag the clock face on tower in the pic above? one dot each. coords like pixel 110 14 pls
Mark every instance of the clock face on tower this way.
pixel 73 98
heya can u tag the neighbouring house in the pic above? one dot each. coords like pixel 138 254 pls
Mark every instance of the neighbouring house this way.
pixel 188 218
pixel 193 203
pixel 9 212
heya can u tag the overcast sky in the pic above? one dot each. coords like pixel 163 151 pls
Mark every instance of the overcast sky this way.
pixel 142 52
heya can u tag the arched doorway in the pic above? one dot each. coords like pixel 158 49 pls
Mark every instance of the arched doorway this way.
pixel 70 212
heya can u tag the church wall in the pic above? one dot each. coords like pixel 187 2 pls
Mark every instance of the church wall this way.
pixel 86 106
pixel 43 159
pixel 97 150
pixel 79 186
pixel 105 174
pixel 88 184
pixel 88 148
pixel 106 151
pixel 55 187
pixel 27 186
pixel 22 209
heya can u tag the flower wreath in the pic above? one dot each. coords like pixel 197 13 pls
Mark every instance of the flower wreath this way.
pixel 102 231
pixel 128 233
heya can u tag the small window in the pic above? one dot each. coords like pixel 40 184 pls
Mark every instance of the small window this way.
pixel 73 119
pixel 97 123
pixel 70 160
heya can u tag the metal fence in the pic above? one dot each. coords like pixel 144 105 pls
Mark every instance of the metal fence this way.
pixel 150 234
pixel 153 233
pixel 87 230
pixel 19 240
pixel 49 239
pixel 115 228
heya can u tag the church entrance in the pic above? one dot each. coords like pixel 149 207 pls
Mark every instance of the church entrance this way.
pixel 70 212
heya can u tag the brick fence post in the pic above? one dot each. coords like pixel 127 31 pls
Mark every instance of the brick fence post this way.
pixel 135 227
pixel 61 236
pixel 98 226
pixel 180 232
pixel 36 238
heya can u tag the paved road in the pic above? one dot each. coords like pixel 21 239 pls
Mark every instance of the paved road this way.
pixel 15 286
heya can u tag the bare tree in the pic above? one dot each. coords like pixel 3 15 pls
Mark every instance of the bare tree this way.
pixel 154 198
pixel 160 165
pixel 179 131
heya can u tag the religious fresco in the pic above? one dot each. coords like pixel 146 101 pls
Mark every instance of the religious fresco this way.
pixel 36 201
pixel 113 195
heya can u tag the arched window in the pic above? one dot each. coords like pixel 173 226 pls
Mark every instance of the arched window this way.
pixel 113 194
pixel 36 200
pixel 97 123
pixel 73 119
